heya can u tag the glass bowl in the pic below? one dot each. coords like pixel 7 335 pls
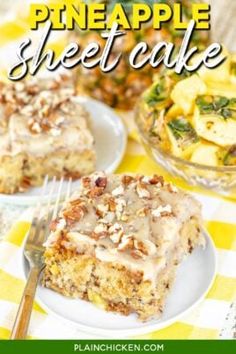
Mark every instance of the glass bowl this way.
pixel 220 178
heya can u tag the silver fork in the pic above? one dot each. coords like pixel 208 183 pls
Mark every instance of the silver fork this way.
pixel 33 252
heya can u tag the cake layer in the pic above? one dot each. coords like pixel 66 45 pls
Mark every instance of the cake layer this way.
pixel 43 131
pixel 30 171
pixel 109 286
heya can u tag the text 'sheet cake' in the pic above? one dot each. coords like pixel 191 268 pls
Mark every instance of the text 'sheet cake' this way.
pixel 117 242
pixel 43 131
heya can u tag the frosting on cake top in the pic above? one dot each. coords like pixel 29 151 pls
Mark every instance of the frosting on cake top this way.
pixel 130 220
pixel 39 117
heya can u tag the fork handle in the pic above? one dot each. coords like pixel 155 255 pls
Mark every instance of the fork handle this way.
pixel 22 320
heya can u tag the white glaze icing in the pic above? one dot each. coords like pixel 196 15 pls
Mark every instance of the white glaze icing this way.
pixel 159 234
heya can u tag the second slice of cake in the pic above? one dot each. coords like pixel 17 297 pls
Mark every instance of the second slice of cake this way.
pixel 43 131
pixel 118 240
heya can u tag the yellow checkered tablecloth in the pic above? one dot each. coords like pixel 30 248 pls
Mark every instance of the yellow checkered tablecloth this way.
pixel 204 322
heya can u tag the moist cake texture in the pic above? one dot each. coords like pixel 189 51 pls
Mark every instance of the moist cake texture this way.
pixel 118 240
pixel 43 131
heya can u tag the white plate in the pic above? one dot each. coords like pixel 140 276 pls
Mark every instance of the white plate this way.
pixel 194 278
pixel 110 144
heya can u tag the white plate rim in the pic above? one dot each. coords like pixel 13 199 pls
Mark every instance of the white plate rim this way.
pixel 27 200
pixel 147 328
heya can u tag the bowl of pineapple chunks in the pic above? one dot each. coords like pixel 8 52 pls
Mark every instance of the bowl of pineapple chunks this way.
pixel 187 123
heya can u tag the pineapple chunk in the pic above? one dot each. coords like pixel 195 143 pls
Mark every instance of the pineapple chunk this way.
pixel 96 299
pixel 54 269
pixel 182 136
pixel 186 91
pixel 221 89
pixel 215 120
pixel 174 111
pixel 205 154
pixel 219 74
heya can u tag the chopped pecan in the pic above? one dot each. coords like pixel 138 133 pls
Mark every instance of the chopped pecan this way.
pixel 32 89
pixel 34 126
pixel 45 125
pixel 101 182
pixel 142 190
pixel 171 188
pixel 126 180
pixel 75 213
pixel 96 192
pixel 101 210
pixel 99 213
pixel 112 204
pixel 141 247
pixel 139 178
pixel 136 254
pixel 157 179
pixel 77 201
pixel 97 234
pixel 86 181
pixel 127 243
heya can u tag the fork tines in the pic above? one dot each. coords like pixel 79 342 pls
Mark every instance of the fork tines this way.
pixel 45 211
